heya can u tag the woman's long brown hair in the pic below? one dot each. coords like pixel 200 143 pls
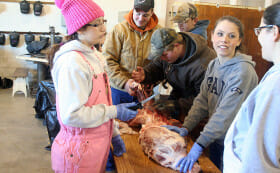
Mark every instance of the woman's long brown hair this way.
pixel 54 48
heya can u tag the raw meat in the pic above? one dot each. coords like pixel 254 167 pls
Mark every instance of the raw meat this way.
pixel 148 115
pixel 164 146
pixel 145 116
pixel 159 143
pixel 142 91
pixel 125 129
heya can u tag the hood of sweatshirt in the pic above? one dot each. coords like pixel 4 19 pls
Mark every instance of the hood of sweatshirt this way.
pixel 74 45
pixel 195 45
pixel 200 26
pixel 239 57
pixel 151 24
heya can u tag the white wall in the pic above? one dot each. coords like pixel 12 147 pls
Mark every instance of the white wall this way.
pixel 13 20
pixel 113 7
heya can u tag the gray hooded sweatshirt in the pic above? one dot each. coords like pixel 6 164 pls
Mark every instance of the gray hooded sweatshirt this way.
pixel 224 88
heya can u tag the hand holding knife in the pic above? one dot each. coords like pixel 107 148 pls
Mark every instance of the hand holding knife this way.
pixel 141 104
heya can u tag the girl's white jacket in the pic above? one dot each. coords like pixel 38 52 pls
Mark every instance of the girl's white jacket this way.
pixel 72 79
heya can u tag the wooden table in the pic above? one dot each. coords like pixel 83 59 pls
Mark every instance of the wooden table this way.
pixel 135 161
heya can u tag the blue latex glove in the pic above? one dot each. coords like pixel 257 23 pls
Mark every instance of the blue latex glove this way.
pixel 181 131
pixel 118 145
pixel 125 114
pixel 188 161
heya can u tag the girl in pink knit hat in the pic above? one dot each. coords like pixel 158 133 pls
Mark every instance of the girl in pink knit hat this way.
pixel 83 96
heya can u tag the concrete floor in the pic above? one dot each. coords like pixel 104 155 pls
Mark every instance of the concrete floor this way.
pixel 22 136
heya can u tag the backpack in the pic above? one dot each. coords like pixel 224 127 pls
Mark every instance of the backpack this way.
pixel 45 107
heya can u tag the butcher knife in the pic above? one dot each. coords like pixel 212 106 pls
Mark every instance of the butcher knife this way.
pixel 141 104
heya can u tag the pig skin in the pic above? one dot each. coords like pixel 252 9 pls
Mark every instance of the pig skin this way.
pixel 164 146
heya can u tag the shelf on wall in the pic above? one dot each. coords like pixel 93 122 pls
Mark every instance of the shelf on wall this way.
pixel 51 2
pixel 29 32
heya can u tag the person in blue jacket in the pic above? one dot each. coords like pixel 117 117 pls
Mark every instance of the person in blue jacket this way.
pixel 252 143
pixel 228 81
pixel 187 19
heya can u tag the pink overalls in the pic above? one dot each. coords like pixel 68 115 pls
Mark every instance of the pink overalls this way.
pixel 84 150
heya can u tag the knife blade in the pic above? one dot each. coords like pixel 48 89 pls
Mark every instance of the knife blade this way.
pixel 141 104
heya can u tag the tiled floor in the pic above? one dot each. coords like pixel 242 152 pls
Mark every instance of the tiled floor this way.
pixel 22 136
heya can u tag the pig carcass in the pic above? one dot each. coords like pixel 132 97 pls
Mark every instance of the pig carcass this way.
pixel 142 91
pixel 125 129
pixel 146 116
pixel 164 146
pixel 149 116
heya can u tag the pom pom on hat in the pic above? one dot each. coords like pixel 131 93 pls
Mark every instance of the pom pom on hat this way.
pixel 77 13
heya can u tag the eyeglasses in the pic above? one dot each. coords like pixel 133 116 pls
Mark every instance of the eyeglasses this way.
pixel 258 29
pixel 97 24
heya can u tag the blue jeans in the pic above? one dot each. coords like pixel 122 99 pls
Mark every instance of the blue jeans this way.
pixel 119 96
pixel 110 165
pixel 216 152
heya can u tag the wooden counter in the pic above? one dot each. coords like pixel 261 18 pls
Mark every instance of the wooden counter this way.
pixel 135 161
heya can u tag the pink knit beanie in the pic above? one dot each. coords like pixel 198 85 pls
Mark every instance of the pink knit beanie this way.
pixel 77 13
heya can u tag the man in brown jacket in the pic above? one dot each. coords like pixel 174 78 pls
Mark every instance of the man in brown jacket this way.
pixel 128 46
pixel 180 59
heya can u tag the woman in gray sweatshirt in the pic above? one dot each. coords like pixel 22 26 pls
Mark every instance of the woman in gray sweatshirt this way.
pixel 228 81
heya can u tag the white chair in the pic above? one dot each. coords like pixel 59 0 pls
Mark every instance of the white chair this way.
pixel 20 83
